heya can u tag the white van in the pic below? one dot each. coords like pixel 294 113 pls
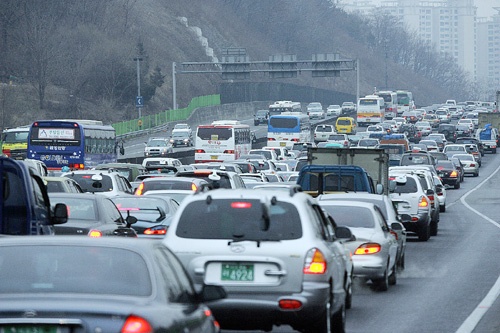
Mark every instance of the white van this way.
pixel 391 103
pixel 149 161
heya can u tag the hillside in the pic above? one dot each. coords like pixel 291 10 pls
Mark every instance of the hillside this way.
pixel 179 31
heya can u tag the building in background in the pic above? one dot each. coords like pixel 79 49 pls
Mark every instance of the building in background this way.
pixel 453 27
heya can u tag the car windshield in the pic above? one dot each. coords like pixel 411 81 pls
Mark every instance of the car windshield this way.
pixel 58 268
pixel 239 219
pixel 351 216
pixel 157 143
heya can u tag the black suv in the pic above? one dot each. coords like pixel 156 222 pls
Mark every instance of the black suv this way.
pixel 260 117
pixel 449 131
pixel 412 133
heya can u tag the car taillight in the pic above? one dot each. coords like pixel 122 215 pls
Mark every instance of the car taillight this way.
pixel 158 230
pixel 6 152
pixel 368 248
pixel 315 262
pixel 140 189
pixel 95 233
pixel 229 151
pixel 135 324
pixel 423 202
pixel 454 174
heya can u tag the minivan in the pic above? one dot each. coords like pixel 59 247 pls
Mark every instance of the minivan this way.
pixel 345 125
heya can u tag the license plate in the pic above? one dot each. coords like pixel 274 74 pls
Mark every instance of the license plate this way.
pixel 29 329
pixel 214 157
pixel 282 144
pixel 237 272
pixel 368 120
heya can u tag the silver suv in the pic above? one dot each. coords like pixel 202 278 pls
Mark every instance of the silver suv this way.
pixel 410 200
pixel 158 147
pixel 275 252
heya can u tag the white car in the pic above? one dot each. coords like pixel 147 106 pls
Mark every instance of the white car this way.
pixel 374 251
pixel 441 196
pixel 334 110
pixel 322 132
pixel 468 122
pixel 315 111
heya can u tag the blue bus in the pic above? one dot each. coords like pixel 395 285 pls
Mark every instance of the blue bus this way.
pixel 288 128
pixel 77 144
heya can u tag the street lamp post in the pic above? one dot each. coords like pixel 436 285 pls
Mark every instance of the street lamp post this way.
pixel 138 60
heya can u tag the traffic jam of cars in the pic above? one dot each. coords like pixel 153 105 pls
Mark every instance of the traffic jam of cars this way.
pixel 241 244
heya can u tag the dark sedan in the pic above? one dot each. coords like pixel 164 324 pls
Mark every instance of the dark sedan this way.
pixel 92 215
pixel 80 284
pixel 448 173
pixel 153 214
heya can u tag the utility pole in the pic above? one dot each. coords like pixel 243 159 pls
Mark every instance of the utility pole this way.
pixel 138 101
pixel 174 88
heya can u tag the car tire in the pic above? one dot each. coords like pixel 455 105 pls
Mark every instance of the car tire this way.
pixel 336 321
pixel 476 174
pixel 348 295
pixel 393 277
pixel 434 228
pixel 424 233
pixel 442 208
pixel 382 284
pixel 401 262
pixel 456 186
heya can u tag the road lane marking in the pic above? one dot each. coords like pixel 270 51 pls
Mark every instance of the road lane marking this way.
pixel 475 317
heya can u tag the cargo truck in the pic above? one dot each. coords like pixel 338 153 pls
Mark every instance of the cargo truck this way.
pixel 331 170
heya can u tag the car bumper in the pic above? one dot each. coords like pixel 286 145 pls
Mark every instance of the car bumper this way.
pixel 420 221
pixel 369 266
pixel 450 181
pixel 240 310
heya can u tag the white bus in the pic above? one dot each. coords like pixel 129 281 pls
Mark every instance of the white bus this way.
pixel 221 141
pixel 405 101
pixel 371 110
pixel 288 128
pixel 391 103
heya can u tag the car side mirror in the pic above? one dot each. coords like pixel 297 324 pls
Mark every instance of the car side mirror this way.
pixel 345 234
pixel 60 214
pixel 397 226
pixel 430 192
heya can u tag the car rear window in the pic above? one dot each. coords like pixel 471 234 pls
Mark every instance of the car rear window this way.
pixel 73 269
pixel 354 217
pixel 410 186
pixel 239 219
pixel 93 185
pixel 166 185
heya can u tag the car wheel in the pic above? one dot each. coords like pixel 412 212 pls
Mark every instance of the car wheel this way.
pixel 434 228
pixel 494 151
pixel 424 233
pixel 401 262
pixel 442 208
pixel 382 284
pixel 348 295
pixel 336 321
pixel 393 277
pixel 457 186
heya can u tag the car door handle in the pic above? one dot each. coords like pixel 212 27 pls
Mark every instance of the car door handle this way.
pixel 274 273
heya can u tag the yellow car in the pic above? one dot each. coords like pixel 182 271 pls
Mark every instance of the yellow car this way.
pixel 345 125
